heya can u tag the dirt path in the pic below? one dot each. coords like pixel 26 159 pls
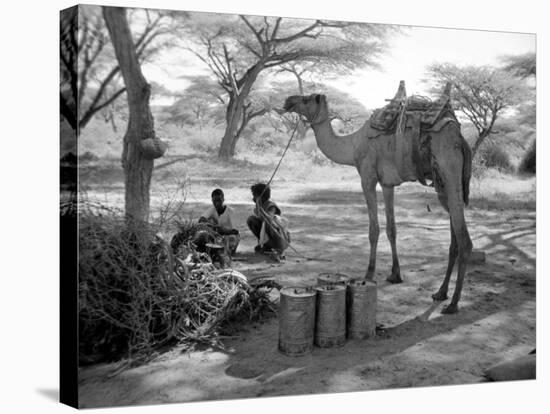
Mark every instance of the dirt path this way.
pixel 419 346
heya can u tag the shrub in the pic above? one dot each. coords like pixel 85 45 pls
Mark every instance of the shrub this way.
pixel 479 168
pixel 263 139
pixel 529 161
pixel 206 140
pixel 494 156
pixel 100 139
pixel 118 287
pixel 189 139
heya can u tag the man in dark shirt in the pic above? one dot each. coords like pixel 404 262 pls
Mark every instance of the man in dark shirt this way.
pixel 266 223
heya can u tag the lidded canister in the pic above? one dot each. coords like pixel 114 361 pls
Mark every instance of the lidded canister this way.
pixel 296 320
pixel 361 315
pixel 332 279
pixel 330 320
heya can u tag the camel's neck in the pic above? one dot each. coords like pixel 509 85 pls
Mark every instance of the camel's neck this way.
pixel 340 149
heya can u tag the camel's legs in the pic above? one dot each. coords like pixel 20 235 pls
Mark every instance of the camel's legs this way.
pixel 453 252
pixel 464 243
pixel 391 233
pixel 369 190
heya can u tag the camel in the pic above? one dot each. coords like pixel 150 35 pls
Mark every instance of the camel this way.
pixel 387 158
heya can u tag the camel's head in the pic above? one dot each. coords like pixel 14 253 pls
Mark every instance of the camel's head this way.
pixel 312 107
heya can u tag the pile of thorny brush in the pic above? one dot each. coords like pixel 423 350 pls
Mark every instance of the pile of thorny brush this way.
pixel 138 294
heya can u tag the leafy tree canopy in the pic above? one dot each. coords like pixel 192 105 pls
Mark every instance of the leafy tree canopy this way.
pixel 524 65
pixel 481 93
pixel 89 70
pixel 321 45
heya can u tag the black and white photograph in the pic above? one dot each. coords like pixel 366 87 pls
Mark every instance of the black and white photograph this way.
pixel 257 206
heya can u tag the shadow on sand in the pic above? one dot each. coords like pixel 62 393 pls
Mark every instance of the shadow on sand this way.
pixel 505 282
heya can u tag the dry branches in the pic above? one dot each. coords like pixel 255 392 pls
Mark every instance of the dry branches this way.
pixel 135 295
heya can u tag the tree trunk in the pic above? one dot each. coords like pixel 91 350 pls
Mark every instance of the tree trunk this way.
pixel 235 110
pixel 479 140
pixel 301 129
pixel 113 123
pixel 137 169
pixel 231 136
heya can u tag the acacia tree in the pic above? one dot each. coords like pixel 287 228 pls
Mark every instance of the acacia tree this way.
pixel 481 93
pixel 525 68
pixel 68 68
pixel 237 49
pixel 87 60
pixel 524 65
pixel 137 168
pixel 201 99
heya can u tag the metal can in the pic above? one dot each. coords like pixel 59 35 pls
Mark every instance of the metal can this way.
pixel 332 279
pixel 361 309
pixel 330 320
pixel 296 320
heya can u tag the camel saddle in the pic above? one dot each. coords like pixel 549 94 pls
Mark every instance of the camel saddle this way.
pixel 386 120
pixel 416 114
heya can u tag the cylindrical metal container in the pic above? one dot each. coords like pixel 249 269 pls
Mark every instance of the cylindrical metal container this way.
pixel 296 320
pixel 361 309
pixel 332 279
pixel 330 320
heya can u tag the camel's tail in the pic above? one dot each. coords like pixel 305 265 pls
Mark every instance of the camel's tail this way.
pixel 466 170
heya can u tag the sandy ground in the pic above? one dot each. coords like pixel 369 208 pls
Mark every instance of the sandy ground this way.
pixel 418 347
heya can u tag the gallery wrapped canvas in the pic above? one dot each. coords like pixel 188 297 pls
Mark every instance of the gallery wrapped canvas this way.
pixel 221 176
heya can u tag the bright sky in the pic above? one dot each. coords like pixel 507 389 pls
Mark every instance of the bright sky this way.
pixel 410 52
